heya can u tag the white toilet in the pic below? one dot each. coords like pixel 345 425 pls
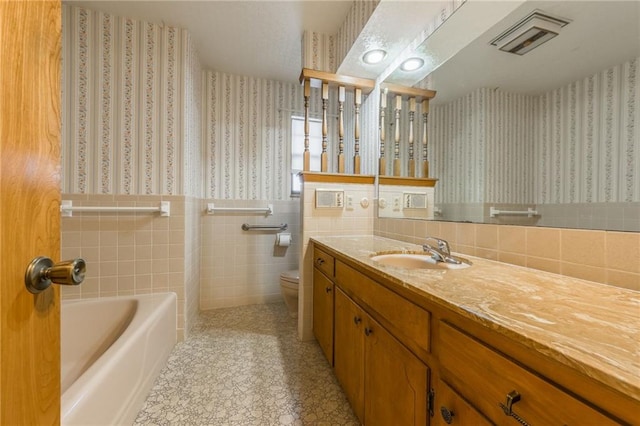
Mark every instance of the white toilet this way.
pixel 289 287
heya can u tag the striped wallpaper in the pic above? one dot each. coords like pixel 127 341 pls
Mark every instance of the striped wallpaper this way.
pixel 134 113
pixel 319 51
pixel 578 143
pixel 480 145
pixel 130 106
pixel 588 139
pixel 248 135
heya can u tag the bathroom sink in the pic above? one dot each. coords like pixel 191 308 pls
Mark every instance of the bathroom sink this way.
pixel 415 261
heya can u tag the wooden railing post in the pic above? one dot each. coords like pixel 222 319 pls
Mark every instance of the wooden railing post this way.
pixel 307 155
pixel 425 160
pixel 412 113
pixel 382 162
pixel 396 139
pixel 341 95
pixel 356 131
pixel 325 100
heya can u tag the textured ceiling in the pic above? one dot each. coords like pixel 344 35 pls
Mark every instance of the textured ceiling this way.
pixel 262 38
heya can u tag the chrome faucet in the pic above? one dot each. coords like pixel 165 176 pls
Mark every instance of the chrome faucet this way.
pixel 439 250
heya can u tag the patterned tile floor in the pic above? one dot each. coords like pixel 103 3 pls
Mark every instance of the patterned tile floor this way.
pixel 245 366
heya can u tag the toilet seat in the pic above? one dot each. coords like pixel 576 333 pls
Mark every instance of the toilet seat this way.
pixel 290 278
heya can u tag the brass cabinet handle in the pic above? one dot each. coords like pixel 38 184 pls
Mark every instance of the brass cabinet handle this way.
pixel 319 261
pixel 368 331
pixel 513 397
pixel 327 289
pixel 357 320
pixel 447 415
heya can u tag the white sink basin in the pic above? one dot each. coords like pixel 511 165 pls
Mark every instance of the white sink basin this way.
pixel 415 261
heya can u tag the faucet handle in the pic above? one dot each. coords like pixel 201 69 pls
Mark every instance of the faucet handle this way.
pixel 443 245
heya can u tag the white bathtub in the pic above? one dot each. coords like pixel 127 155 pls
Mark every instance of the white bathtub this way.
pixel 112 351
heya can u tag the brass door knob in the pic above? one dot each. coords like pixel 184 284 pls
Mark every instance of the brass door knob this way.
pixel 42 272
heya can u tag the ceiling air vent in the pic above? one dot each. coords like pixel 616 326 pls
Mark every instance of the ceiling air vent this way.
pixel 529 33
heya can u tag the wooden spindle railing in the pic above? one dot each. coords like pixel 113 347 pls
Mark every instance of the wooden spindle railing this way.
pixel 397 169
pixel 307 155
pixel 356 130
pixel 414 95
pixel 412 113
pixel 382 162
pixel 341 95
pixel 360 86
pixel 324 160
pixel 425 159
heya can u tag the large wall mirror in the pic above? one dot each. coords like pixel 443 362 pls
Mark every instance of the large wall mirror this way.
pixel 549 137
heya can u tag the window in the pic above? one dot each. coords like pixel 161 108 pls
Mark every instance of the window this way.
pixel 297 149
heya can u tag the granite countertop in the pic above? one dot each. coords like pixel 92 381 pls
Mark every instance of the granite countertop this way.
pixel 591 327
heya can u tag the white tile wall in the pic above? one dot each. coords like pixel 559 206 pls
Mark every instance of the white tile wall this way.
pixel 317 222
pixel 243 267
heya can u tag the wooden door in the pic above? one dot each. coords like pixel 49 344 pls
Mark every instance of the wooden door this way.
pixel 29 209
pixel 323 313
pixel 349 351
pixel 396 382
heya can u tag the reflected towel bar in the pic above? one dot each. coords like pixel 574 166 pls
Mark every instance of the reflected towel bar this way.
pixel 211 209
pixel 67 208
pixel 281 227
pixel 493 212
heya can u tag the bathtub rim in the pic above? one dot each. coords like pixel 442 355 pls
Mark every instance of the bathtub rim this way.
pixel 137 327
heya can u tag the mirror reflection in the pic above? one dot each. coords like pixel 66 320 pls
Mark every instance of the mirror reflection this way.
pixel 548 137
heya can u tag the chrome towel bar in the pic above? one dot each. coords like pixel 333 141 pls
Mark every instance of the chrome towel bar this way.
pixel 281 227
pixel 67 208
pixel 493 212
pixel 268 211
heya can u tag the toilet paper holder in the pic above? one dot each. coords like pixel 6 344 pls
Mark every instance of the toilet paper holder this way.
pixel 281 227
pixel 283 239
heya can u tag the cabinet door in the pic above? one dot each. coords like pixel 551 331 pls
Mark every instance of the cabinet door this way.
pixel 349 351
pixel 323 313
pixel 450 408
pixel 396 381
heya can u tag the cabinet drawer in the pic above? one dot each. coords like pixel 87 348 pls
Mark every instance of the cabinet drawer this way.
pixel 323 261
pixel 451 409
pixel 409 323
pixel 486 378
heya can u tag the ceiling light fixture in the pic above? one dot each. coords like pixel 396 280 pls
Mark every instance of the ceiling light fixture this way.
pixel 412 64
pixel 374 56
pixel 529 33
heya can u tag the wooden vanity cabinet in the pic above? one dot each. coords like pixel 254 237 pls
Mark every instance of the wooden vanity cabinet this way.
pixel 323 299
pixel 379 339
pixel 384 382
pixel 503 390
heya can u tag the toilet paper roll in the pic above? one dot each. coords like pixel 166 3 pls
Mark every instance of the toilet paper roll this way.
pixel 283 239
